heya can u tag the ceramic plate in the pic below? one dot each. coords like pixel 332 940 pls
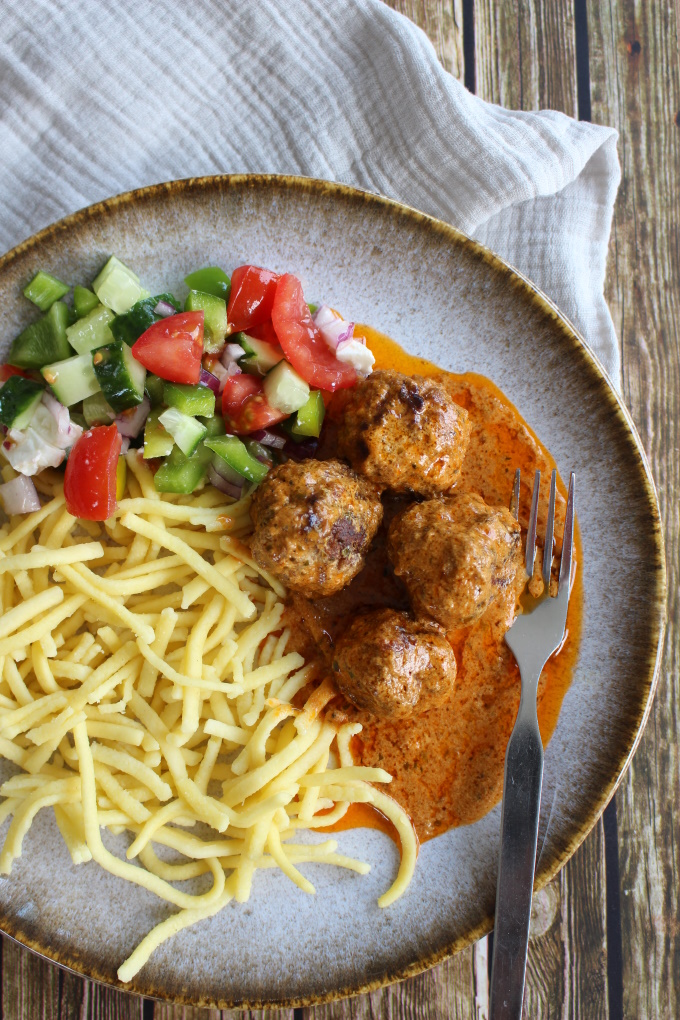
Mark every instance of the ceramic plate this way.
pixel 445 297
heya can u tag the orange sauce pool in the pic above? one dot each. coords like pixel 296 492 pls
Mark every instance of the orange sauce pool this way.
pixel 447 762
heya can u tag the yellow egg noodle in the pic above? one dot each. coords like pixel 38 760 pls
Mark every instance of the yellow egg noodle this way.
pixel 145 686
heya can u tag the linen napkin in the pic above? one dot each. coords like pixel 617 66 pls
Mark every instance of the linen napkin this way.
pixel 97 98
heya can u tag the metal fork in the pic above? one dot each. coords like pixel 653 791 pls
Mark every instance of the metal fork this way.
pixel 533 638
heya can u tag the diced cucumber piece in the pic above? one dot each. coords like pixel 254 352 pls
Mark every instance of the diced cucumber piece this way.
pixel 214 318
pixel 157 440
pixel 118 287
pixel 234 452
pixel 309 419
pixel 190 399
pixel 71 380
pixel 210 280
pixel 43 341
pixel 84 301
pixel 179 473
pixel 97 410
pixel 154 389
pixel 130 326
pixel 284 389
pixel 19 398
pixel 260 356
pixel 44 289
pixel 121 377
pixel 185 430
pixel 92 331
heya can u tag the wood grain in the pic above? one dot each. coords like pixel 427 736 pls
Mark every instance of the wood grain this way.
pixel 633 46
pixel 525 54
pixel 442 22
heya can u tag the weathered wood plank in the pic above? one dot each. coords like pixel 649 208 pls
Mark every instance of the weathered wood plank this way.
pixel 445 991
pixel 633 47
pixel 567 964
pixel 442 21
pixel 525 54
pixel 86 1000
pixel 30 987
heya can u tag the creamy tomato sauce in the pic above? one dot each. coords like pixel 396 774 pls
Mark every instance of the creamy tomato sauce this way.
pixel 447 762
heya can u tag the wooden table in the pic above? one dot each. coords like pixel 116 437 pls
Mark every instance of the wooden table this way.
pixel 606 933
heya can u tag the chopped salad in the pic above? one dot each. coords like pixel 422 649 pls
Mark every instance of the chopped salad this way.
pixel 214 392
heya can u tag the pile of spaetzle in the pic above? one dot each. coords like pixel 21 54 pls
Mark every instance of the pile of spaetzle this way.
pixel 146 686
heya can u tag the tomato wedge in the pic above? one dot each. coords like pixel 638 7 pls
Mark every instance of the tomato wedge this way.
pixel 245 406
pixel 90 479
pixel 172 348
pixel 251 297
pixel 7 371
pixel 265 331
pixel 302 343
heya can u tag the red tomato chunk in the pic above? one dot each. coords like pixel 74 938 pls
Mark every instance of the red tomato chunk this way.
pixel 172 348
pixel 90 479
pixel 251 297
pixel 302 343
pixel 245 406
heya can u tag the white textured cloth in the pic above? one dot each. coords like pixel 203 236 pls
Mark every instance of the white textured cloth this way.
pixel 97 98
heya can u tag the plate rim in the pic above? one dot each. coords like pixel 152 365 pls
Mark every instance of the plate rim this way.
pixel 534 295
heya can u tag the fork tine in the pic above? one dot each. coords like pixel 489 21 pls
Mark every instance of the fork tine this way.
pixel 531 534
pixel 568 540
pixel 549 532
pixel 514 502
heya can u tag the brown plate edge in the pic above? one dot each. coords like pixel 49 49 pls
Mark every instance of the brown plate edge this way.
pixel 548 868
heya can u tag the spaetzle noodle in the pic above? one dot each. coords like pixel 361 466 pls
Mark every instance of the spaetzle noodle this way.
pixel 146 685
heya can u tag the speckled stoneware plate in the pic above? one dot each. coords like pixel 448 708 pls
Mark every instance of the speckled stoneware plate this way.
pixel 445 297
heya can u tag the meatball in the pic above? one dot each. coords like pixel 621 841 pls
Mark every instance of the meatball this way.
pixel 454 555
pixel 405 433
pixel 388 664
pixel 314 521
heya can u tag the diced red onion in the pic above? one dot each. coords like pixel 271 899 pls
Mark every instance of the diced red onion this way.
pixel 337 332
pixel 67 431
pixel 303 450
pixel 228 473
pixel 221 374
pixel 232 352
pixel 324 315
pixel 164 308
pixel 130 423
pixel 124 445
pixel 229 361
pixel 19 496
pixel 208 379
pixel 228 488
pixel 269 439
pixel 58 411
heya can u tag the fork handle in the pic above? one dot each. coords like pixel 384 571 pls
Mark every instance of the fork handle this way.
pixel 519 835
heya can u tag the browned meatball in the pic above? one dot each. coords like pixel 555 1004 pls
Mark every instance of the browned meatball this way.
pixel 388 664
pixel 404 433
pixel 314 521
pixel 454 555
